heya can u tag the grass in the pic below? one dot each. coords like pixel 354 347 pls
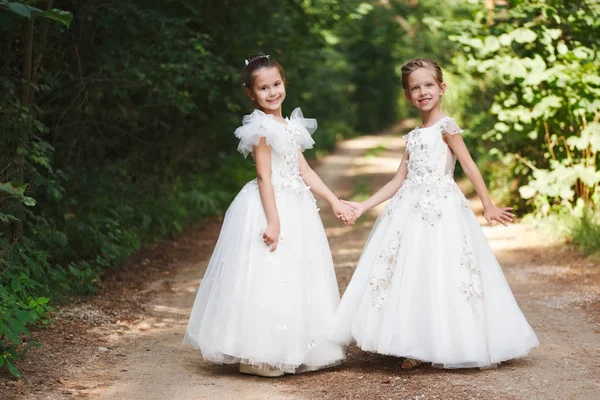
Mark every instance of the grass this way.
pixel 375 151
pixel 581 230
pixel 586 233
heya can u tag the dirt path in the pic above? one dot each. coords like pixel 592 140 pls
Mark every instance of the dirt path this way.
pixel 143 359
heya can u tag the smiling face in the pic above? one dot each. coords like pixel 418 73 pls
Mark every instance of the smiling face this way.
pixel 423 91
pixel 268 90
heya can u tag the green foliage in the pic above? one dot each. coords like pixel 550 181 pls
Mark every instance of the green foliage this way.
pixel 586 233
pixel 23 285
pixel 13 10
pixel 580 224
pixel 539 64
pixel 374 152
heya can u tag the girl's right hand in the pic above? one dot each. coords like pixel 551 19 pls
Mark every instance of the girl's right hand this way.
pixel 359 208
pixel 271 236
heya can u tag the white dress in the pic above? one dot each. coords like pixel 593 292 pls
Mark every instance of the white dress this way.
pixel 258 307
pixel 427 285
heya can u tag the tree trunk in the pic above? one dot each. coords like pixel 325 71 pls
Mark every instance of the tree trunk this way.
pixel 6 51
pixel 25 101
pixel 43 39
pixel 491 7
pixel 27 60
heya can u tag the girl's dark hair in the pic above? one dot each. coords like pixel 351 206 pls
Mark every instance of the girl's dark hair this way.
pixel 417 63
pixel 256 62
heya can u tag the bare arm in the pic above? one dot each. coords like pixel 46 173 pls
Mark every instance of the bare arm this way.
pixel 318 187
pixel 390 188
pixel 386 192
pixel 490 211
pixel 262 159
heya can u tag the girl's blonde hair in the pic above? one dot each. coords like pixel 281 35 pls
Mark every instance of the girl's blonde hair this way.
pixel 417 63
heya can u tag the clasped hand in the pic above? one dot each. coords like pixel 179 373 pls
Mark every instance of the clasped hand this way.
pixel 343 212
pixel 357 208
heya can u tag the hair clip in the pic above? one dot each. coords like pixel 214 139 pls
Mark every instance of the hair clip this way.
pixel 246 61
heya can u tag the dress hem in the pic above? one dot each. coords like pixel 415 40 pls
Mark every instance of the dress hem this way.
pixel 226 358
pixel 445 365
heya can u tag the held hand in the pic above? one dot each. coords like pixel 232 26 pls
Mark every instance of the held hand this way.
pixel 343 212
pixel 358 208
pixel 501 215
pixel 271 236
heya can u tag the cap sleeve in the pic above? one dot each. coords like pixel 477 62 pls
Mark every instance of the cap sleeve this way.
pixel 450 127
pixel 408 136
pixel 254 126
pixel 305 127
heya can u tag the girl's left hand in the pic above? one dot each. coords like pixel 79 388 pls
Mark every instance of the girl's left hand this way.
pixel 343 212
pixel 501 215
pixel 358 208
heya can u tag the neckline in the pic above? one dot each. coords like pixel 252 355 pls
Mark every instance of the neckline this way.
pixel 272 117
pixel 434 124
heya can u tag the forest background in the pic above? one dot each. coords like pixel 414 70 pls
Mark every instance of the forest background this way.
pixel 117 117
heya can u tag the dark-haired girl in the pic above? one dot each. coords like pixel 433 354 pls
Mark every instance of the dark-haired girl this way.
pixel 269 294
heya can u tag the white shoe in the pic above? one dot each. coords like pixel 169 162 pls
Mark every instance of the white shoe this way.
pixel 263 370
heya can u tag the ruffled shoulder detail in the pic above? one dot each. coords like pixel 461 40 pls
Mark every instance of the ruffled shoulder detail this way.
pixel 449 126
pixel 303 128
pixel 257 125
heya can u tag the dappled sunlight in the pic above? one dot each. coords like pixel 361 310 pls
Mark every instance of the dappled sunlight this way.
pixel 346 264
pixel 360 143
pixel 334 161
pixel 184 311
pixel 193 288
pixel 190 286
pixel 386 166
pixel 515 236
pixel 155 323
pixel 352 251
pixel 338 230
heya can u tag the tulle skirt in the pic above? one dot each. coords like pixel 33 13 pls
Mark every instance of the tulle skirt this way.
pixel 427 286
pixel 258 307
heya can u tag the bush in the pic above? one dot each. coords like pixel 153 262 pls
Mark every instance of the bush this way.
pixel 586 233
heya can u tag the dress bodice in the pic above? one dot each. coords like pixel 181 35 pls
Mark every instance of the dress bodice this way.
pixel 431 162
pixel 285 167
pixel 430 170
pixel 286 140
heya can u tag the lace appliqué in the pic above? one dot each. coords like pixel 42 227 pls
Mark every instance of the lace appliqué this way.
pixel 421 173
pixel 430 209
pixel 471 287
pixel 288 178
pixel 381 284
